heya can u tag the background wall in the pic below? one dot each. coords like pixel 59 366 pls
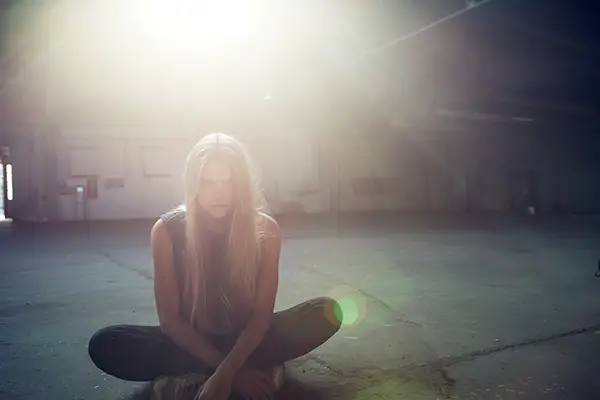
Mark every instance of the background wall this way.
pixel 136 176
pixel 487 168
pixel 139 171
pixel 493 167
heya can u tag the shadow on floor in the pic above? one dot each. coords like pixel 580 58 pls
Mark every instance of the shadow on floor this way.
pixel 293 390
pixel 415 383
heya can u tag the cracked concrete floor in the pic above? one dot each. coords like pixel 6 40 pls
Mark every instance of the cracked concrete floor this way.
pixel 445 308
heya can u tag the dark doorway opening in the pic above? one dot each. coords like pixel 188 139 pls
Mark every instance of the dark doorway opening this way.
pixel 6 183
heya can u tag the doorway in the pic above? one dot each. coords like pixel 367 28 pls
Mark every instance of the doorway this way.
pixel 6 183
pixel 2 200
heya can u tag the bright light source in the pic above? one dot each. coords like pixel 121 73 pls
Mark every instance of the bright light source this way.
pixel 167 56
pixel 192 23
pixel 9 182
pixel 268 97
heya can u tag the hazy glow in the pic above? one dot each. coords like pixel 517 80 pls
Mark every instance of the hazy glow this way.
pixel 9 182
pixel 193 23
pixel 154 57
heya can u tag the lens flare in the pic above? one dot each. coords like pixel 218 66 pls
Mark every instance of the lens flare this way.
pixel 351 306
pixel 347 311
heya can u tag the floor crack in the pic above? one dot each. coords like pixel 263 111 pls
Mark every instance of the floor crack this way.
pixel 144 274
pixel 452 360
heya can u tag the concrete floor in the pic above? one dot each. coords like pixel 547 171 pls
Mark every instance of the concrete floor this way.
pixel 493 308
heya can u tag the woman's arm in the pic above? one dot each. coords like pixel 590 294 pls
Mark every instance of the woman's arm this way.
pixel 266 291
pixel 166 293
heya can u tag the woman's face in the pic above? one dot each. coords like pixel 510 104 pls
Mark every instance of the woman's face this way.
pixel 216 188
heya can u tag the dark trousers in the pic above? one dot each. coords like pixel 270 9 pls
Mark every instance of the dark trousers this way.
pixel 142 353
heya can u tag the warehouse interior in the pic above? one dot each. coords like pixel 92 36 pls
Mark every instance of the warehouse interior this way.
pixel 431 163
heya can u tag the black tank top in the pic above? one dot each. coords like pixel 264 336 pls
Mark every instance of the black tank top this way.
pixel 221 317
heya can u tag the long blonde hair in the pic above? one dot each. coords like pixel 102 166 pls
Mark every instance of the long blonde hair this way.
pixel 245 232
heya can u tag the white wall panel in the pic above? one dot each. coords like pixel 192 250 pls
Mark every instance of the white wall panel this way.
pixel 114 163
pixel 85 161
pixel 156 160
pixel 290 171
pixel 125 191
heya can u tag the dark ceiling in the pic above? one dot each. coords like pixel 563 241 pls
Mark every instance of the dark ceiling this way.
pixel 506 56
pixel 501 54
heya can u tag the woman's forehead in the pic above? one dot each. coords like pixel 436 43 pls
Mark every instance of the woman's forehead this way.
pixel 217 169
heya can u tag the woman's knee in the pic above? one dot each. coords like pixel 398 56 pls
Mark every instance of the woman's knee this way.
pixel 323 315
pixel 332 312
pixel 322 321
pixel 312 321
pixel 102 345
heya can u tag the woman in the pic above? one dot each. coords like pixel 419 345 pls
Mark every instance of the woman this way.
pixel 215 282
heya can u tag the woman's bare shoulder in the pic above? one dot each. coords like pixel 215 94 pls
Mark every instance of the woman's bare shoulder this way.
pixel 269 224
pixel 159 235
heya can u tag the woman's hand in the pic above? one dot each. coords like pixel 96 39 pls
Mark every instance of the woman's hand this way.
pixel 217 387
pixel 252 384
